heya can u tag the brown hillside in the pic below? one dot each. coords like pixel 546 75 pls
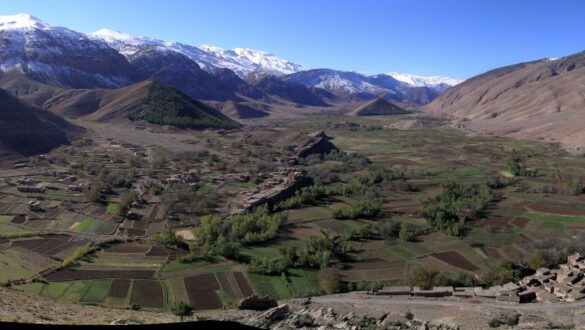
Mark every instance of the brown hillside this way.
pixel 27 130
pixel 378 107
pixel 541 100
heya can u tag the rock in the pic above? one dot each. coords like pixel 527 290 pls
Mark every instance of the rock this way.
pixel 275 313
pixel 256 303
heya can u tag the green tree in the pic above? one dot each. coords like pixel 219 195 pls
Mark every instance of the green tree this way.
pixel 181 309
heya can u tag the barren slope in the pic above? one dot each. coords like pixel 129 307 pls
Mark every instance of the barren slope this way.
pixel 27 130
pixel 539 100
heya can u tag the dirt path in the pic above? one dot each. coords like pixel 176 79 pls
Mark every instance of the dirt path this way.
pixel 341 299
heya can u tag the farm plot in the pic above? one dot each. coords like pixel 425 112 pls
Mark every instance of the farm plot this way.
pixel 51 245
pixel 147 294
pixel 16 263
pixel 455 259
pixel 374 269
pixel 128 248
pixel 492 252
pixel 234 284
pixel 554 208
pixel 119 288
pixel 201 291
pixel 95 226
pixel 520 222
pixel 97 291
pixel 84 274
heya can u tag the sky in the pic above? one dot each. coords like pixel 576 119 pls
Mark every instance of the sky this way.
pixel 456 38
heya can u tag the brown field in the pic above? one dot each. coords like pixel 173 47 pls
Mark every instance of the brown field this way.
pixel 147 294
pixel 51 245
pixel 119 288
pixel 520 222
pixel 84 274
pixel 158 251
pixel 201 291
pixel 548 208
pixel 376 264
pixel 455 259
pixel 500 223
pixel 226 285
pixel 18 220
pixel 492 252
pixel 136 232
pixel 128 248
pixel 243 284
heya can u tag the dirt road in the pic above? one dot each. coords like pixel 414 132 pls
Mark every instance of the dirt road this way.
pixel 341 299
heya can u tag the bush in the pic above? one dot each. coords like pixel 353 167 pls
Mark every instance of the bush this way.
pixel 125 203
pixel 517 168
pixel 427 278
pixel 306 196
pixel 167 238
pixel 365 210
pixel 389 229
pixel 330 281
pixel 181 309
pixel 503 273
pixel 407 233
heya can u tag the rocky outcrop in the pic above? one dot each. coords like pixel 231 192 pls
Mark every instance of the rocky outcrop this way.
pixel 256 303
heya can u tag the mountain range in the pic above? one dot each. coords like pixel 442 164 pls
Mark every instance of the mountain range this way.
pixel 64 58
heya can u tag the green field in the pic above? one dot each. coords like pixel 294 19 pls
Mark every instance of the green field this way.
pixel 97 291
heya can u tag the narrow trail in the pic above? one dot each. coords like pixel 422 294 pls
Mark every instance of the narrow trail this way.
pixel 446 303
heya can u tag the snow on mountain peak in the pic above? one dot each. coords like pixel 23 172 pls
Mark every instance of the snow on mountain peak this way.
pixel 21 21
pixel 424 81
pixel 250 60
pixel 111 35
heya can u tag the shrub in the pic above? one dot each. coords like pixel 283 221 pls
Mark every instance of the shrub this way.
pixel 167 237
pixel 181 309
pixel 330 281
pixel 360 210
pixel 427 278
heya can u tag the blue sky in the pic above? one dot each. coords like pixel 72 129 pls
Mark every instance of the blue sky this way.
pixel 428 37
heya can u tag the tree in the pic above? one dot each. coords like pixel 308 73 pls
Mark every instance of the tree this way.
pixel 181 309
pixel 125 202
pixel 330 281
pixel 427 278
pixel 407 233
pixel 167 237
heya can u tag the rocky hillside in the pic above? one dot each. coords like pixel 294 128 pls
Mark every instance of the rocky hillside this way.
pixel 27 130
pixel 542 100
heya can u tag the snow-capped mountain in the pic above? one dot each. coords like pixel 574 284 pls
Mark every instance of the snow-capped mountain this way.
pixel 111 59
pixel 245 60
pixel 422 81
pixel 240 60
pixel 340 83
pixel 58 55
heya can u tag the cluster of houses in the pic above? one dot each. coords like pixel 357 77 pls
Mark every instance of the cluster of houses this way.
pixel 566 284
